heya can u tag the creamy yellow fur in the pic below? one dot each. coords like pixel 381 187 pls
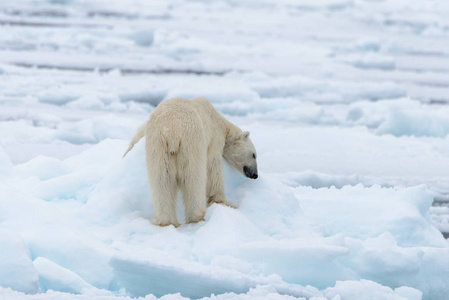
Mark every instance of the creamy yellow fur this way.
pixel 185 143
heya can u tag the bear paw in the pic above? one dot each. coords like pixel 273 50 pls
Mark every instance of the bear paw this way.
pixel 195 217
pixel 221 200
pixel 158 221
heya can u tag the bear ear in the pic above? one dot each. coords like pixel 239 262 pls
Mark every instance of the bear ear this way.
pixel 231 136
pixel 244 134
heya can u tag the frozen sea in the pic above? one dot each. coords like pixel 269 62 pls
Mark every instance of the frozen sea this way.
pixel 347 102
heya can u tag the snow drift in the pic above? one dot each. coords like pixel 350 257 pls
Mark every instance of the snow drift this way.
pixel 91 231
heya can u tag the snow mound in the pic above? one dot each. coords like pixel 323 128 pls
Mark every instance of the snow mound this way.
pixel 367 207
pixel 215 94
pixel 56 278
pixel 371 61
pixel 324 91
pixel 366 289
pixel 5 163
pixel 168 275
pixel 16 268
pixel 280 237
pixel 414 122
pixel 346 101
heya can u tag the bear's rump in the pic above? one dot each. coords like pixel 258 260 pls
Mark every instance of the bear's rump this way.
pixel 180 137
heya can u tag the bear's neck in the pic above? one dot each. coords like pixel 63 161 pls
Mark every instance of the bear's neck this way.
pixel 232 131
pixel 229 129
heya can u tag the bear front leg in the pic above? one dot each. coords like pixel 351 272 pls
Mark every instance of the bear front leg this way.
pixel 192 182
pixel 221 199
pixel 215 182
pixel 194 199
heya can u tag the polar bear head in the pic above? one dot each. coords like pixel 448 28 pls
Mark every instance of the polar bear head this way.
pixel 239 151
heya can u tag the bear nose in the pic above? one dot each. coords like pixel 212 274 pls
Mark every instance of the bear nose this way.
pixel 249 173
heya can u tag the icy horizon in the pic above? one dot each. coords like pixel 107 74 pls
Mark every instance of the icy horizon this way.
pixel 347 105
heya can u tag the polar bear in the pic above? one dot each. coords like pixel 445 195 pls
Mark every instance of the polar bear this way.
pixel 185 143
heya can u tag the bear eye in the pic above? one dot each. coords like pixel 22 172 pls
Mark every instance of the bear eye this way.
pixel 254 155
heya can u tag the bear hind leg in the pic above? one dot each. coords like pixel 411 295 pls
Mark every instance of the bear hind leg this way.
pixel 164 190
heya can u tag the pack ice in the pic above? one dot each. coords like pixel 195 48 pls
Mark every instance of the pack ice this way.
pixel 82 226
pixel 347 105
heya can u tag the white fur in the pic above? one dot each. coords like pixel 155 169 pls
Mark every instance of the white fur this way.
pixel 185 143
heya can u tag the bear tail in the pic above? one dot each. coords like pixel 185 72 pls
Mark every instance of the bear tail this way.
pixel 139 134
pixel 173 145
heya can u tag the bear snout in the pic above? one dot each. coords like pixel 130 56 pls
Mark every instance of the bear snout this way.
pixel 249 172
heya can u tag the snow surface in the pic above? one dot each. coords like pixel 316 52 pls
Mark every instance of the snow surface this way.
pixel 347 105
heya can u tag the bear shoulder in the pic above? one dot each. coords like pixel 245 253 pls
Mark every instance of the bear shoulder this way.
pixel 202 101
pixel 203 105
